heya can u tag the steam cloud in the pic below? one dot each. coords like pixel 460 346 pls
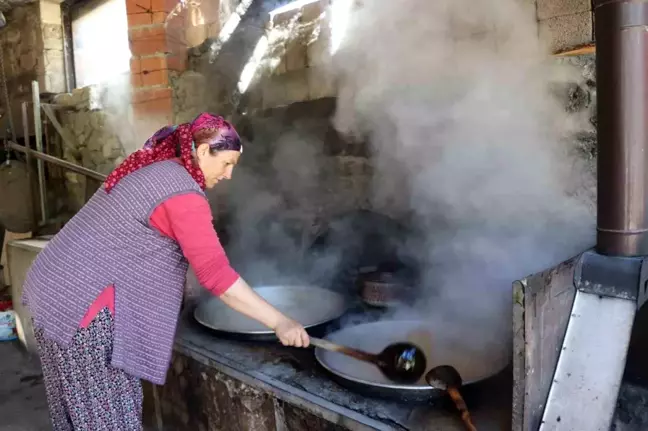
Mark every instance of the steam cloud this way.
pixel 454 97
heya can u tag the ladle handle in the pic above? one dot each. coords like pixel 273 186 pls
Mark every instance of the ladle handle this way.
pixel 327 345
pixel 462 407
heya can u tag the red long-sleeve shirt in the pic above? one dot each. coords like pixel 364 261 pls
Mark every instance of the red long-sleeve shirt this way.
pixel 186 219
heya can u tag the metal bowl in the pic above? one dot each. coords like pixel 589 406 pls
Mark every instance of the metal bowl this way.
pixel 476 358
pixel 311 306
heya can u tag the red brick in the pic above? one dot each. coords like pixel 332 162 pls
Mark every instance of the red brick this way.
pixel 138 6
pixel 155 77
pixel 163 5
pixel 137 19
pixel 159 17
pixel 151 95
pixel 148 40
pixel 152 64
pixel 135 65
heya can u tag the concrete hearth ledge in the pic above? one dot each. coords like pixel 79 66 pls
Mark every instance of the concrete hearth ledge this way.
pixel 292 376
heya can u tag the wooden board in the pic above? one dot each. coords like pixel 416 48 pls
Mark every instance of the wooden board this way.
pixel 542 305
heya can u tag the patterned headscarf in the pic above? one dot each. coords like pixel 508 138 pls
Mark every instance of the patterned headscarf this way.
pixel 164 144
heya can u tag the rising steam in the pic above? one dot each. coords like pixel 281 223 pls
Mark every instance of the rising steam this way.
pixel 454 98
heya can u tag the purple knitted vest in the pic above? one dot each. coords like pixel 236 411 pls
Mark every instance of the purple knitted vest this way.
pixel 110 242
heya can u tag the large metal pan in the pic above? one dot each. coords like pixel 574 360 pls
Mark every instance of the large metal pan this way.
pixel 308 305
pixel 476 358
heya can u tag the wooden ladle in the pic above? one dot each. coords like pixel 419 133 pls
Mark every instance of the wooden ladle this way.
pixel 399 362
pixel 447 378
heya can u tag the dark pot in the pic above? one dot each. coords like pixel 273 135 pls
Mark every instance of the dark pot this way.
pixel 385 288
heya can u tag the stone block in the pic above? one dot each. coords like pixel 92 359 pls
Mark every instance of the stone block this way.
pixel 556 8
pixel 296 54
pixel 296 85
pixel 88 98
pixel 52 36
pixel 319 51
pixel 274 92
pixel 313 11
pixel 320 84
pixel 50 12
pixel 284 18
pixel 564 32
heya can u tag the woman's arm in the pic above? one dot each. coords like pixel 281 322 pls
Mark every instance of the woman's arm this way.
pixel 243 299
pixel 188 220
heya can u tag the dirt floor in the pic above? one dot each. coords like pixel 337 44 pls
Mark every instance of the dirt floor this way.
pixel 23 406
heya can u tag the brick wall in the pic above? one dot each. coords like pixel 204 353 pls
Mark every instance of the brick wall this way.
pixel 158 50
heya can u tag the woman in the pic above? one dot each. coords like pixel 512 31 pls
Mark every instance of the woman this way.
pixel 106 292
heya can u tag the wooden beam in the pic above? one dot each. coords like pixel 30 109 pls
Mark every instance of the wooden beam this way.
pixel 581 50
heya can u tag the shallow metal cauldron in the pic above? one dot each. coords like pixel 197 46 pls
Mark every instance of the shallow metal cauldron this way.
pixel 476 358
pixel 311 306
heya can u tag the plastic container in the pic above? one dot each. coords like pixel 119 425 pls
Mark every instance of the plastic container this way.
pixel 7 320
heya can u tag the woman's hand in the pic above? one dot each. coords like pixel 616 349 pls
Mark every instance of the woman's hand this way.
pixel 291 333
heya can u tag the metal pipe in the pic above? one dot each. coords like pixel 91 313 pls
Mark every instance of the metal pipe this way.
pixel 38 133
pixel 58 162
pixel 28 158
pixel 622 112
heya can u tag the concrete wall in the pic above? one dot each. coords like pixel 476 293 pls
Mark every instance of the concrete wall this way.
pixel 565 24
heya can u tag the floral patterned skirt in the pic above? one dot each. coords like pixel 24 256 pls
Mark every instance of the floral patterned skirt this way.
pixel 83 391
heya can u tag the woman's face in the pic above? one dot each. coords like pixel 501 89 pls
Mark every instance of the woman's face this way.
pixel 217 166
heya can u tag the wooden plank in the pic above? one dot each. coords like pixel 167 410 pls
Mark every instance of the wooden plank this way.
pixel 542 306
pixel 581 50
pixel 519 352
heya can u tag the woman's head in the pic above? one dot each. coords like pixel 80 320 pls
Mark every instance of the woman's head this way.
pixel 216 165
pixel 208 148
pixel 216 148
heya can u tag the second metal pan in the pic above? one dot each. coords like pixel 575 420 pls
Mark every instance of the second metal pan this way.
pixel 476 359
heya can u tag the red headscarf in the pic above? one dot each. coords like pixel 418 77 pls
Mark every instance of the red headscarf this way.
pixel 163 145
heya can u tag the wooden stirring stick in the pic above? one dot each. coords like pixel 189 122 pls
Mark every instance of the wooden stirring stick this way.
pixel 400 362
pixel 447 378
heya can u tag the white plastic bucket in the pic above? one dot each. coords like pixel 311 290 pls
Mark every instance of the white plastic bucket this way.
pixel 7 320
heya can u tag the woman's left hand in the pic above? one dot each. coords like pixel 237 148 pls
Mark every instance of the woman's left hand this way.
pixel 291 333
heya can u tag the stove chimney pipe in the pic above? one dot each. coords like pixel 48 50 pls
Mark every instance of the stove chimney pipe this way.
pixel 621 31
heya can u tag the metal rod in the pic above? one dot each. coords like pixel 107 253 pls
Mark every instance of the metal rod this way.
pixel 28 157
pixel 58 162
pixel 622 108
pixel 39 146
pixel 49 113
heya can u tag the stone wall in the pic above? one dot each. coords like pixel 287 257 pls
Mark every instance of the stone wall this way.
pixel 20 40
pixel 92 136
pixel 32 44
pixel 197 396
pixel 52 71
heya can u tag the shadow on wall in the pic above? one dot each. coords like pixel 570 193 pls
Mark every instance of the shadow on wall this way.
pixel 216 66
